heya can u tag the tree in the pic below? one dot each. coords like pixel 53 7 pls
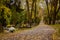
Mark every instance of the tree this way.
pixel 28 13
pixel 53 10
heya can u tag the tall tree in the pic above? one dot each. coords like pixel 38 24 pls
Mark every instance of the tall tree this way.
pixel 28 11
pixel 53 11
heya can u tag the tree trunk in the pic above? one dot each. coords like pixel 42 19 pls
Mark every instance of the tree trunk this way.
pixel 28 13
pixel 54 17
pixel 1 28
pixel 32 7
pixel 27 9
pixel 49 21
pixel 35 11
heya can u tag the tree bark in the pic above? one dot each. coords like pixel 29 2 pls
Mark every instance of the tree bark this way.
pixel 28 13
pixel 1 28
pixel 35 10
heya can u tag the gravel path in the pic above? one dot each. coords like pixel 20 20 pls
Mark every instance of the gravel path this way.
pixel 41 32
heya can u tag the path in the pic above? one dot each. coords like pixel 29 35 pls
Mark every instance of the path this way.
pixel 41 32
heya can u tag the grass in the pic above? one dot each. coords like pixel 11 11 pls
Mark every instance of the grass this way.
pixel 57 28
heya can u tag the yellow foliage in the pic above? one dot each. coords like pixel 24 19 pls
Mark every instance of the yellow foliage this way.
pixel 32 15
pixel 54 36
pixel 7 13
pixel 7 10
